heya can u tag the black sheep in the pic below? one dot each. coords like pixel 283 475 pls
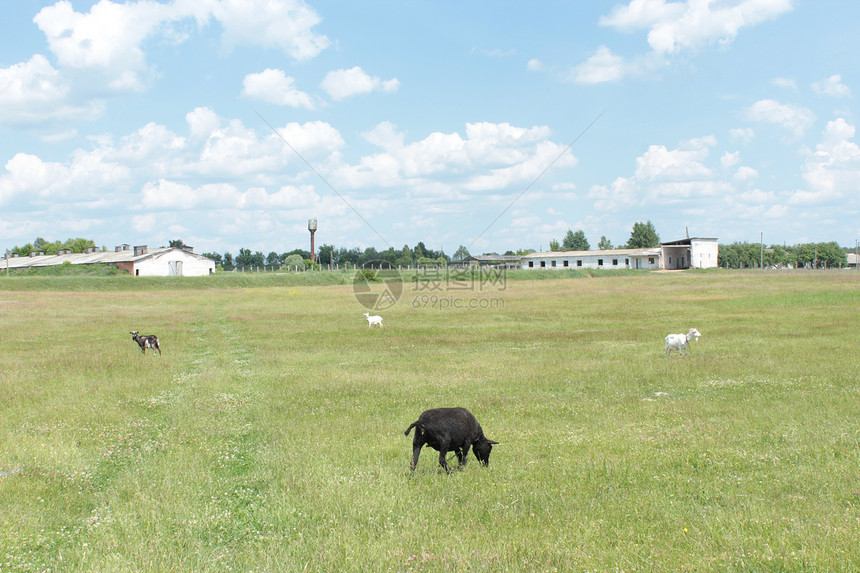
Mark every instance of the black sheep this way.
pixel 450 429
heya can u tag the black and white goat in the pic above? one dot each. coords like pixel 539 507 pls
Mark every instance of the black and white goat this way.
pixel 146 341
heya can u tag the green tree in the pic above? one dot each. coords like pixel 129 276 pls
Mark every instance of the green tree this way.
pixel 389 256
pixel 228 265
pixel 294 262
pixel 246 258
pixel 273 259
pixel 604 244
pixel 326 254
pixel 643 236
pixel 575 241
pixel 215 257
pixel 79 245
pixel 370 255
pixel 461 254
pixel 554 246
pixel 176 243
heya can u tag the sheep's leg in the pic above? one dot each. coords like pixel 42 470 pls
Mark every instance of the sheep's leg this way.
pixel 416 451
pixel 465 455
pixel 443 453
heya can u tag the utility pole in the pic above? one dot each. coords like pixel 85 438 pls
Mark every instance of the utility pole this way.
pixel 761 250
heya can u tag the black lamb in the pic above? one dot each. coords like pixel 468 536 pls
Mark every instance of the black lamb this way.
pixel 450 429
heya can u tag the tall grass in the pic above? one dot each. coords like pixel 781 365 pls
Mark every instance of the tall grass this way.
pixel 269 435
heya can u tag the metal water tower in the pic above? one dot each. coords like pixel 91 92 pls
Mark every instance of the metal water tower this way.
pixel 312 227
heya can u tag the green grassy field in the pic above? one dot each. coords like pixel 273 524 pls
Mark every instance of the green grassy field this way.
pixel 269 434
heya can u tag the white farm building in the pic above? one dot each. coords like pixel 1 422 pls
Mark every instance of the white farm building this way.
pixel 139 261
pixel 696 253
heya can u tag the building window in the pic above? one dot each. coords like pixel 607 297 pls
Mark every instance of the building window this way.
pixel 566 263
pixel 531 264
pixel 650 260
pixel 614 262
pixel 543 264
pixel 599 262
pixel 627 262
pixel 579 263
pixel 552 263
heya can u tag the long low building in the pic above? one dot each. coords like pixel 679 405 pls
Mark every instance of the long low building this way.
pixel 697 252
pixel 138 261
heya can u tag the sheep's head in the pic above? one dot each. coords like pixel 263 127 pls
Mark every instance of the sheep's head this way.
pixel 482 450
pixel 134 333
pixel 693 334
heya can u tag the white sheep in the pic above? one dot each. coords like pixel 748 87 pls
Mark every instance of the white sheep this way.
pixel 371 320
pixel 679 341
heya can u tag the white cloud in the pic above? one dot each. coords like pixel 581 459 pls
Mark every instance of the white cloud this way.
pixel 794 119
pixel 81 179
pixel 32 81
pixel 108 40
pixel 673 27
pixel 386 136
pixel 491 156
pixel 165 194
pixel 35 92
pixel 745 173
pixel 787 83
pixel 676 26
pixel 730 159
pixel 59 137
pixel 534 65
pixel 742 134
pixel 284 24
pixel 341 84
pixel 660 164
pixel 777 212
pixel 202 122
pixel 832 86
pixel 602 66
pixel 832 171
pixel 274 86
pixel 663 175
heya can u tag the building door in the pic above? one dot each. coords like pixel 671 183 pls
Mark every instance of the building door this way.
pixel 174 268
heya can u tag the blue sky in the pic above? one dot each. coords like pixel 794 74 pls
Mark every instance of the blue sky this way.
pixel 494 125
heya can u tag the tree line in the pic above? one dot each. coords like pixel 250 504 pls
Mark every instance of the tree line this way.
pixel 329 255
pixel 805 255
pixel 643 235
pixel 40 245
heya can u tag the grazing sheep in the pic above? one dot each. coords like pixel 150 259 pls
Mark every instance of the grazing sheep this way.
pixel 450 429
pixel 679 341
pixel 146 341
pixel 371 320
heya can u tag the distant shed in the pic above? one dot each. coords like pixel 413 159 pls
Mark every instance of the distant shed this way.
pixel 692 253
pixel 139 261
